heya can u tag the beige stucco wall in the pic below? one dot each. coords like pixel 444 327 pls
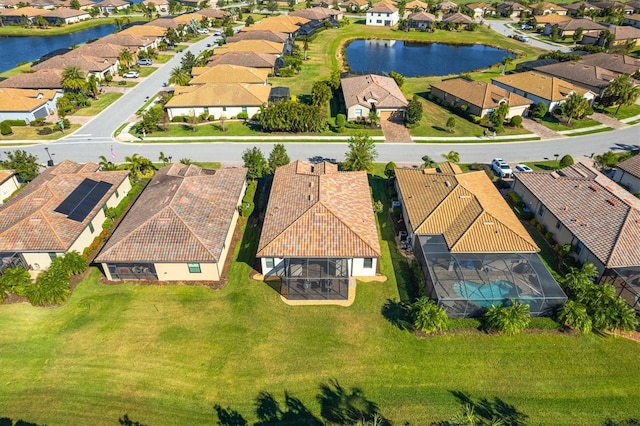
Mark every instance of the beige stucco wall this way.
pixel 217 112
pixel 8 187
pixel 357 268
pixel 180 272
pixel 632 182
pixel 37 261
pixel 351 112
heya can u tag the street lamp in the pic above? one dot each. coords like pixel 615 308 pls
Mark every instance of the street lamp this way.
pixel 170 157
pixel 50 162
pixel 557 164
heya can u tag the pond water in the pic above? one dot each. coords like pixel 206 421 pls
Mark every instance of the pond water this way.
pixel 25 49
pixel 420 59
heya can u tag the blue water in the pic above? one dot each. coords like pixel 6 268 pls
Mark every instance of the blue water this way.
pixel 485 294
pixel 420 59
pixel 14 50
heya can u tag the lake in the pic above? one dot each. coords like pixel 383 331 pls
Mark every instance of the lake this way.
pixel 420 59
pixel 26 49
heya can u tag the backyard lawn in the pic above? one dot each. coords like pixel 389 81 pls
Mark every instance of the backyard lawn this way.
pixel 169 354
pixel 98 105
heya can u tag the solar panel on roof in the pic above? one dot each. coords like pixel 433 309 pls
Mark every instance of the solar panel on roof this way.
pixel 83 199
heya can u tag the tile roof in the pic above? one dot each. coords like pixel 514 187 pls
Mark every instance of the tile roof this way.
pixel 624 32
pixel 219 94
pixel 551 6
pixel 257 46
pixel 29 220
pixel 584 23
pixel 480 93
pixel 41 79
pixel 281 23
pixel 97 50
pixel 24 100
pixel 619 63
pixel 146 30
pixel 259 35
pixel 540 85
pixel 457 18
pixel 86 64
pixel 580 73
pixel 422 16
pixel 581 5
pixel 447 5
pixel 465 208
pixel 24 11
pixel 316 211
pixel 245 59
pixel 316 13
pixel 5 175
pixel 165 22
pixel 602 215
pixel 112 3
pixel 631 166
pixel 551 18
pixel 126 40
pixel 362 89
pixel 417 4
pixel 382 8
pixel 63 12
pixel 183 215
pixel 213 13
pixel 226 73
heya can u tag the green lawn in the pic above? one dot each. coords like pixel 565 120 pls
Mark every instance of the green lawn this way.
pixel 554 124
pixel 31 133
pixel 168 354
pixel 97 106
pixel 14 30
pixel 625 111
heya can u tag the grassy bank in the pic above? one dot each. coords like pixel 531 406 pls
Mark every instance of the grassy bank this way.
pixel 19 31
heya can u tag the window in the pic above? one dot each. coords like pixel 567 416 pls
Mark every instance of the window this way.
pixel 52 256
pixel 541 210
pixel 91 229
pixel 117 194
pixel 368 262
pixel 358 112
pixel 206 110
pixel 224 109
pixel 244 109
pixel 558 225
pixel 579 247
pixel 194 268
pixel 378 21
pixel 269 262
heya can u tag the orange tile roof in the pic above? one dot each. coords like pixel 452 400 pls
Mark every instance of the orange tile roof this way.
pixel 24 100
pixel 183 215
pixel 465 208
pixel 29 221
pixel 146 30
pixel 220 94
pixel 257 46
pixel 362 89
pixel 540 85
pixel 479 93
pixel 551 18
pixel 316 211
pixel 226 73
pixel 41 79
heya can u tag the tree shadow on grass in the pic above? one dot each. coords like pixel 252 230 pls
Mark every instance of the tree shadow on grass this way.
pixel 625 422
pixel 545 167
pixel 6 421
pixel 397 313
pixel 341 406
pixel 128 421
pixel 485 411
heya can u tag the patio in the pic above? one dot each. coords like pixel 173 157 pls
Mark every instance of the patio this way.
pixel 314 279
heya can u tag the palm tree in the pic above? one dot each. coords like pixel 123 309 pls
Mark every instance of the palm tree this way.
pixel 621 91
pixel 41 21
pixel 92 85
pixel 137 165
pixel 14 280
pixel 508 320
pixel 362 153
pixel 427 162
pixel 74 263
pixel 606 159
pixel 575 315
pixel 73 79
pixel 506 61
pixel 427 316
pixel 452 156
pixel 374 119
pixel 179 76
pixel 106 165
pixel 126 57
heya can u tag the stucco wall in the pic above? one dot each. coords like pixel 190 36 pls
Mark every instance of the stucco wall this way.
pixel 8 187
pixel 217 112
pixel 632 182
pixel 37 261
pixel 180 272
pixel 373 17
pixel 357 268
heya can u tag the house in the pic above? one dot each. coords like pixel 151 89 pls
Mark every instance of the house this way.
pixel 447 6
pixel 382 14
pixel 214 14
pixel 65 16
pixel 366 93
pixel 162 6
pixel 539 87
pixel 133 42
pixel 248 59
pixel 319 231
pixel 319 14
pixel 8 184
pixel 582 9
pixel 354 5
pixel 512 9
pixel 632 20
pixel 416 6
pixel 179 229
pixel 479 97
pixel 147 31
pixel 218 99
pixel 421 20
pixel 599 219
pixel 102 51
pixel 88 65
pixel 225 73
pixel 568 28
pixel 21 16
pixel 612 7
pixel 585 76
pixel 530 65
pixel 39 80
pixel 635 4
pixel 61 210
pixel 551 19
pixel 622 64
pixel 549 8
pixel 623 35
pixel 279 24
pixel 256 46
pixel 628 174
pixel 27 104
pixel 480 10
pixel 111 6
pixel 471 248
pixel 260 35
pixel 457 20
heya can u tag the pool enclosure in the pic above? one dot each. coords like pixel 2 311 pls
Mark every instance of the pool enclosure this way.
pixel 465 284
pixel 314 278
pixel 626 282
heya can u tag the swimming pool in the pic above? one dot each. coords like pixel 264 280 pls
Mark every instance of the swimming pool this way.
pixel 485 295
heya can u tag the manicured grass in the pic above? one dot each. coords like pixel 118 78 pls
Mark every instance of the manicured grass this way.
pixel 17 70
pixel 14 30
pixel 589 132
pixel 98 105
pixel 30 133
pixel 554 124
pixel 625 111
pixel 168 354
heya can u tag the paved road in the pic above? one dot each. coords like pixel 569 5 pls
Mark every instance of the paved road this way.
pixel 502 27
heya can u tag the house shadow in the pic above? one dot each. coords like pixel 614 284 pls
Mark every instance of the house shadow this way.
pixel 397 313
pixel 485 411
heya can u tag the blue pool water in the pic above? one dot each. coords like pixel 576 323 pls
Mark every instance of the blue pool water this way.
pixel 485 294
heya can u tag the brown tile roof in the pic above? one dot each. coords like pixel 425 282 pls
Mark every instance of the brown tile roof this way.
pixel 551 18
pixel 101 50
pixel 584 23
pixel 42 79
pixel 5 175
pixel 24 100
pixel 127 40
pixel 259 35
pixel 183 215
pixel 512 6
pixel 382 8
pixel 29 220
pixel 480 93
pixel 447 5
pixel 213 13
pixel 245 59
pixel 416 4
pixel 457 18
pixel 580 73
pixel 540 85
pixel 316 211
pixel 226 73
pixel 624 32
pixel 422 16
pixel 551 6
pixel 281 23
pixel 165 22
pixel 603 216
pixel 361 89
pixel 465 208
pixel 146 30
pixel 619 63
pixel 86 64
pixel 220 94
pixel 63 12
pixel 257 46
pixel 631 166
pixel 316 13
pixel 577 6
pixel 26 11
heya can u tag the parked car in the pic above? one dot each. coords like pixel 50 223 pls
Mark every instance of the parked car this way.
pixel 217 33
pixel 203 31
pixel 522 38
pixel 501 168
pixel 526 27
pixel 131 74
pixel 523 168
pixel 144 61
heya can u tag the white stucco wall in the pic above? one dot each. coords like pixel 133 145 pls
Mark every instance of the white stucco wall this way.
pixel 180 272
pixel 8 187
pixel 217 112
pixel 630 181
pixel 357 269
pixel 374 17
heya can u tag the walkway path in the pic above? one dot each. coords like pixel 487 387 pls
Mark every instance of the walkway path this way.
pixel 395 132
pixel 539 129
pixel 608 121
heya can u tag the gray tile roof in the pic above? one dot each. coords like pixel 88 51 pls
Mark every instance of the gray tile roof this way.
pixel 631 166
pixel 362 89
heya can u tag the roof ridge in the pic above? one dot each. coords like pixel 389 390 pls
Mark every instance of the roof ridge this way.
pixel 191 231
pixel 359 237
pixel 439 205
pixel 615 245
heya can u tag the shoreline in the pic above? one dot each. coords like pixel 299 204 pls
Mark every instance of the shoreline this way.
pixel 20 31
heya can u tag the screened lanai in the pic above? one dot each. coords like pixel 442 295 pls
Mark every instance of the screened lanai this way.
pixel 627 284
pixel 465 284
pixel 315 279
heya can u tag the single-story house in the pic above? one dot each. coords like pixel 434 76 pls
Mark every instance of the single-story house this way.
pixel 221 99
pixel 623 34
pixel 549 8
pixel 214 14
pixel 103 51
pixel 64 15
pixel 415 6
pixel 582 8
pixel 153 32
pixel 623 64
pixel 539 87
pixel 447 6
pixel 421 20
pixel 8 184
pixel 512 9
pixel 354 5
pixel 365 93
pixel 568 28
pixel 179 229
pixel 632 20
pixel 480 97
pixel 257 46
pixel 472 250
pixel 480 10
pixel 598 218
pixel 21 16
pixel 111 6
pixel 225 73
pixel 628 174
pixel 61 210
pixel 39 80
pixel 248 59
pixel 319 231
pixel 530 65
pixel 27 104
pixel 45 4
pixel 88 65
pixel 267 35
pixel 635 4
pixel 319 14
pixel 162 6
pixel 457 20
pixel 133 42
pixel 279 24
pixel 550 19
pixel 588 77
pixel 610 7
pixel 382 14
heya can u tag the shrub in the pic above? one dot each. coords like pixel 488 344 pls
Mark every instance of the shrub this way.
pixel 548 236
pixel 534 222
pixel 286 72
pixel 108 223
pixel 246 209
pixel 45 131
pixel 16 123
pixel 180 119
pixel 515 198
pixel 243 116
pixel 508 320
pixel 341 120
pixel 516 121
pixel 541 228
pixel 539 110
pixel 5 128
pixel 566 161
pixel 428 317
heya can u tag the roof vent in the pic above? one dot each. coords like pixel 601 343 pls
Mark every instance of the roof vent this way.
pixel 487 223
pixel 164 219
pixel 594 188
pixel 566 208
pixel 611 201
pixel 165 199
pixel 447 183
pixel 465 196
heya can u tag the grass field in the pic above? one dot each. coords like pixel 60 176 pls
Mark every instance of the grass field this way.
pixel 15 30
pixel 168 354
pixel 31 133
pixel 98 105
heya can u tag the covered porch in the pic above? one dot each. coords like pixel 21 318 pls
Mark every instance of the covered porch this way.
pixel 314 279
